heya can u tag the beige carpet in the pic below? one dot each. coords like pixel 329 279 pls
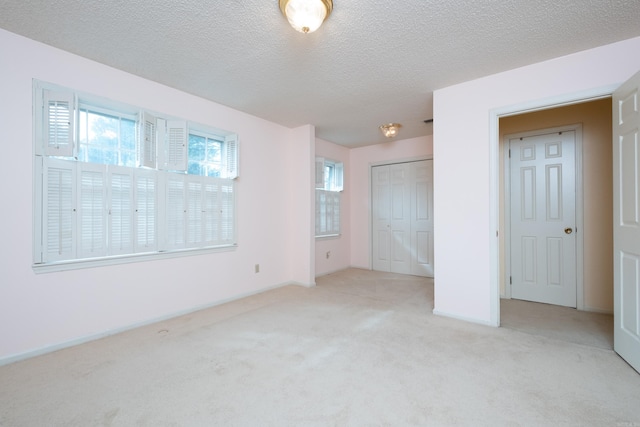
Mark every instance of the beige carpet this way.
pixel 360 349
pixel 562 323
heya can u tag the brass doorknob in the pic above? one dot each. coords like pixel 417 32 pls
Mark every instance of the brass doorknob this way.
pixel 568 230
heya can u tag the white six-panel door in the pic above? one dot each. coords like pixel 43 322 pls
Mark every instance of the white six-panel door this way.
pixel 422 218
pixel 626 218
pixel 542 218
pixel 402 218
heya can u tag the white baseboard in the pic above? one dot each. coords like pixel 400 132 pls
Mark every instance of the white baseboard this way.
pixel 466 319
pixel 326 273
pixel 88 338
pixel 304 285
pixel 598 310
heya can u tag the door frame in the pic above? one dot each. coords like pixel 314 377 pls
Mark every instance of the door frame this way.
pixel 579 206
pixel 494 175
pixel 370 201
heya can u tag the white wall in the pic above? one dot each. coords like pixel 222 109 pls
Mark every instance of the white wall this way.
pixel 466 159
pixel 48 310
pixel 301 226
pixel 339 248
pixel 361 160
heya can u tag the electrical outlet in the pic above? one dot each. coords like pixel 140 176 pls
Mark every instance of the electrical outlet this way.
pixel 257 268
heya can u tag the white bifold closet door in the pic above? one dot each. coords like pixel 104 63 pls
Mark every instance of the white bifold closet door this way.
pixel 402 218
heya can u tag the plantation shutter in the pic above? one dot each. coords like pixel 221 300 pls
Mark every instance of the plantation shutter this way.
pixel 148 144
pixel 319 173
pixel 121 210
pixel 59 212
pixel 92 210
pixel 319 210
pixel 210 211
pixel 327 213
pixel 231 149
pixel 194 211
pixel 175 211
pixel 59 113
pixel 334 228
pixel 227 203
pixel 146 210
pixel 338 177
pixel 176 146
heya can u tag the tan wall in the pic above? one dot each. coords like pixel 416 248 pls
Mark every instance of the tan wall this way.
pixel 595 118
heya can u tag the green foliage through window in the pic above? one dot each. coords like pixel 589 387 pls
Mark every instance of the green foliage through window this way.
pixel 205 156
pixel 106 139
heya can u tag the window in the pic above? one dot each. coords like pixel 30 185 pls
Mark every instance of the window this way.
pixel 106 137
pixel 205 155
pixel 329 185
pixel 112 182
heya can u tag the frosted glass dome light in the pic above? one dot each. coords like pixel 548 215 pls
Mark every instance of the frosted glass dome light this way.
pixel 390 130
pixel 306 16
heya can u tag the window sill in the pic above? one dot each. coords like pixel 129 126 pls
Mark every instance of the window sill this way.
pixel 125 259
pixel 328 236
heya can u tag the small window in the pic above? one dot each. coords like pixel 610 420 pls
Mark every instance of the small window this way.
pixel 205 155
pixel 333 176
pixel 106 138
pixel 329 185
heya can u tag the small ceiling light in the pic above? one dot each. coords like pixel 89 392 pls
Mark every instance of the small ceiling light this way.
pixel 390 130
pixel 306 16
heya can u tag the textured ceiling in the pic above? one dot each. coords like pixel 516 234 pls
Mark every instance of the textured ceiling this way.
pixel 372 62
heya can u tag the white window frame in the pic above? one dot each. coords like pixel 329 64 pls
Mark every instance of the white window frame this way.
pixel 328 197
pixel 125 209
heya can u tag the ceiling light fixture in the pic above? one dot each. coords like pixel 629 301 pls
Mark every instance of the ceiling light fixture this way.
pixel 390 130
pixel 306 16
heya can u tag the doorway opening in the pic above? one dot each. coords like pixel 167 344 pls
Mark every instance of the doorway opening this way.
pixel 594 276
